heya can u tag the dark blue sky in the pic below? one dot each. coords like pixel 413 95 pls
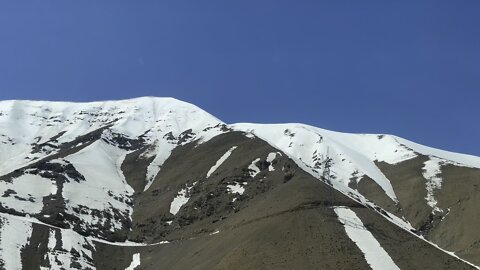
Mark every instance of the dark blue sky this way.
pixel 410 68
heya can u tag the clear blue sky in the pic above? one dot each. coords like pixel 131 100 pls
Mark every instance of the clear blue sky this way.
pixel 410 68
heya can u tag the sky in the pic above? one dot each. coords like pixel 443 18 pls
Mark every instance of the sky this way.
pixel 409 68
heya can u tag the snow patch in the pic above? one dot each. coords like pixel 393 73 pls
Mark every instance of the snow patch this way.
pixel 249 135
pixel 270 158
pixel 135 262
pixel 253 168
pixel 237 188
pixel 74 248
pixel 59 161
pixel 220 161
pixel 210 132
pixel 14 235
pixel 375 255
pixel 105 187
pixel 29 192
pixel 431 172
pixel 181 199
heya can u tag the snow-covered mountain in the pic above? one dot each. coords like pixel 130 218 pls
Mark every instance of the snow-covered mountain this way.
pixel 157 183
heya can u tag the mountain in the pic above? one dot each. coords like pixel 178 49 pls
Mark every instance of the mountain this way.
pixel 157 183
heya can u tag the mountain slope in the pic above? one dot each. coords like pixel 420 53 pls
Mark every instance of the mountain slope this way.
pixel 412 181
pixel 168 186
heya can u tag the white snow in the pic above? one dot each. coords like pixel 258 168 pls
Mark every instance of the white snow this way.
pixel 431 172
pixel 181 199
pixel 254 170
pixel 135 262
pixel 209 132
pixel 236 188
pixel 220 161
pixel 375 147
pixel 250 135
pixel 59 161
pixel 309 147
pixel 271 157
pixel 456 158
pixel 375 255
pixel 31 189
pixel 14 235
pixel 70 240
pixel 25 122
pixel 99 163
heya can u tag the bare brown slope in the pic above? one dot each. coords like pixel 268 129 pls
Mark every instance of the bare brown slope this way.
pixel 454 229
pixel 291 227
pixel 460 199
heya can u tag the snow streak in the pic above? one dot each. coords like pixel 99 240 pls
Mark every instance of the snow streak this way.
pixel 220 161
pixel 374 254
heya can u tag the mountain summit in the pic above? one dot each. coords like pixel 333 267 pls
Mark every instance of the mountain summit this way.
pixel 157 183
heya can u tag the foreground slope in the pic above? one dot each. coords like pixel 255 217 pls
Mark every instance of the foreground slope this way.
pixel 160 184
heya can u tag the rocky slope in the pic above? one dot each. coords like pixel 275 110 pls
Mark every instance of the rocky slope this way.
pixel 156 183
